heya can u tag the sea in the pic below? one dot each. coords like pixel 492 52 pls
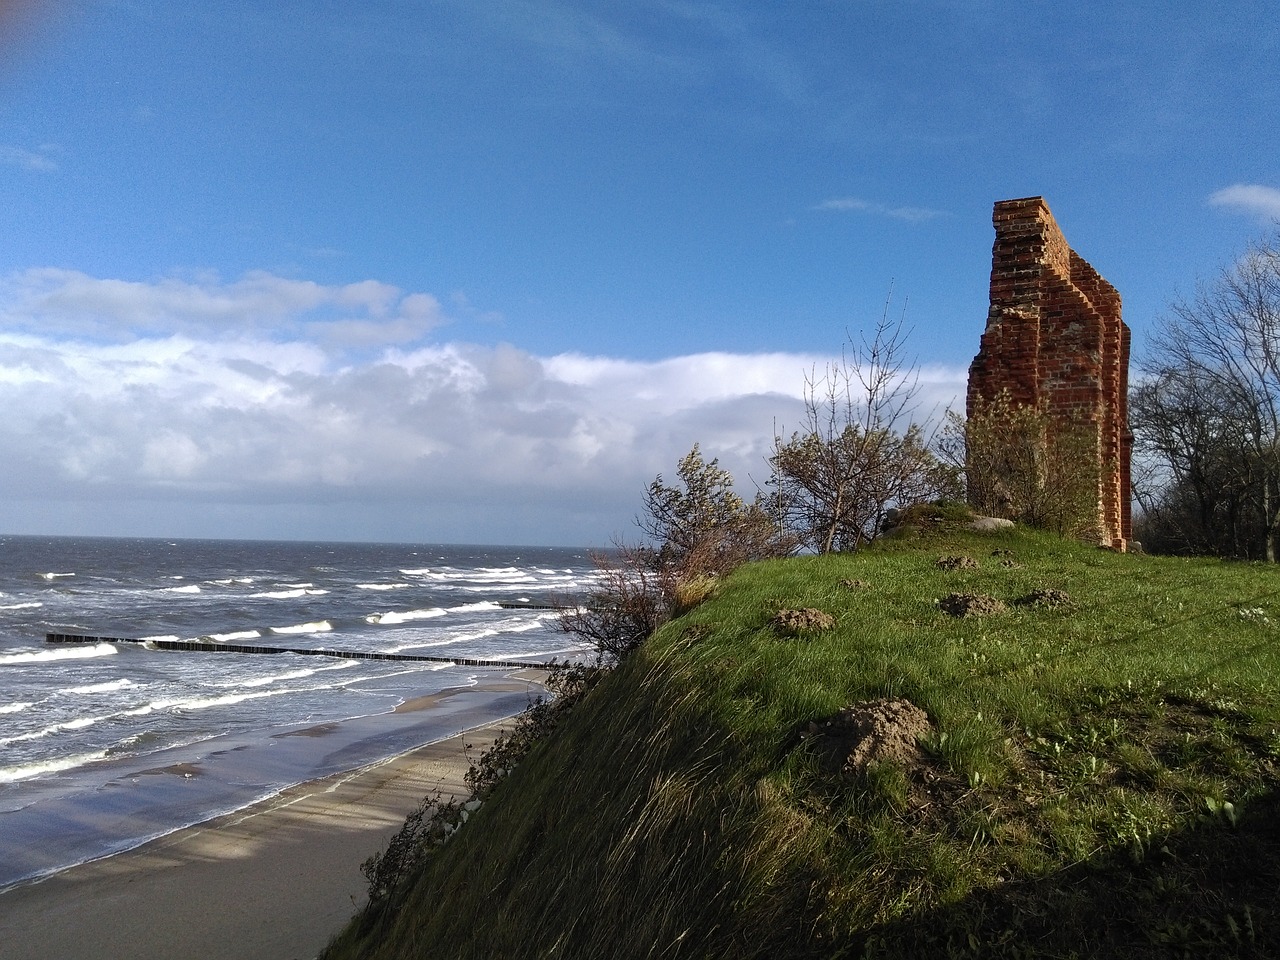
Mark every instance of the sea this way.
pixel 105 745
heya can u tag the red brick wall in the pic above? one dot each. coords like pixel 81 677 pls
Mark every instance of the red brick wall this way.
pixel 1054 336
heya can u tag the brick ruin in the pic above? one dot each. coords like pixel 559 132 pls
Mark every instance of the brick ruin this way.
pixel 1054 337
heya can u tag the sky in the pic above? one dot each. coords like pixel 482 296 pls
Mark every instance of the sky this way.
pixel 478 271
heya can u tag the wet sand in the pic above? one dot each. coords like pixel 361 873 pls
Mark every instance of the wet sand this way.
pixel 275 881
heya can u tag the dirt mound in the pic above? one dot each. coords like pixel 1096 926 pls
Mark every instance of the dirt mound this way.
pixel 854 584
pixel 793 623
pixel 970 604
pixel 1045 598
pixel 956 563
pixel 871 731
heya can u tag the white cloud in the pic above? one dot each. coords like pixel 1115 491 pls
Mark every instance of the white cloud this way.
pixel 211 414
pixel 41 160
pixel 1250 198
pixel 856 205
pixel 363 314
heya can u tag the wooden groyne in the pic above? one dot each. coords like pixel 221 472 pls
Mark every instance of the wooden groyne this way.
pixel 209 646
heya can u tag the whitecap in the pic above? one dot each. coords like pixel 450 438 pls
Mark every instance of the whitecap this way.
pixel 235 635
pixel 318 626
pixel 381 586
pixel 291 675
pixel 106 687
pixel 62 653
pixel 78 724
pixel 27 770
pixel 279 594
pixel 475 607
pixel 405 616
pixel 22 606
pixel 55 576
pixel 15 707
pixel 189 588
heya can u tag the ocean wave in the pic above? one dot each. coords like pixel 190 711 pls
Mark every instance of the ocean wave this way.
pixel 318 626
pixel 430 613
pixel 79 723
pixel 22 606
pixel 189 588
pixel 15 707
pixel 291 675
pixel 381 586
pixel 106 687
pixel 234 635
pixel 25 771
pixel 405 616
pixel 503 575
pixel 66 653
pixel 291 594
pixel 55 576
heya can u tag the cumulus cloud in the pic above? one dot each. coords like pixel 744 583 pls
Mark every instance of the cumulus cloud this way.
pixel 68 302
pixel 856 205
pixel 1250 198
pixel 202 411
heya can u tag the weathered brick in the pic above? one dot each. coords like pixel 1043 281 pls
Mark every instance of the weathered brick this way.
pixel 1055 335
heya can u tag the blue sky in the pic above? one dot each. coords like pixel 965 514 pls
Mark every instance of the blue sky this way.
pixel 477 271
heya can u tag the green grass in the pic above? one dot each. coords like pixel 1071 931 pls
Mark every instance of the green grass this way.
pixel 1101 778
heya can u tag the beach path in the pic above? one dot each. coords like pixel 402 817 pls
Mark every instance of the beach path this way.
pixel 275 881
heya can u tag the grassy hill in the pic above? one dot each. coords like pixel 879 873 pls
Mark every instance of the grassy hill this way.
pixel 1098 777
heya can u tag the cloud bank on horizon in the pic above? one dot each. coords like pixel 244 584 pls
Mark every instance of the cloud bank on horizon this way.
pixel 477 270
pixel 243 394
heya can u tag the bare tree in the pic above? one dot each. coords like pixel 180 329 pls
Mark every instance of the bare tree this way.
pixel 1210 408
pixel 859 453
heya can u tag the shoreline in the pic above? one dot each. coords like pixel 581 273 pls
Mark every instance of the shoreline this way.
pixel 275 880
pixel 184 787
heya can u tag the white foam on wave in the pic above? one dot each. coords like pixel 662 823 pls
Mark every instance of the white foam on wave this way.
pixel 234 635
pixel 55 576
pixel 318 626
pixel 77 724
pixel 405 616
pixel 26 771
pixel 291 675
pixel 162 636
pixel 504 575
pixel 499 629
pixel 66 653
pixel 107 687
pixel 430 613
pixel 381 586
pixel 15 707
pixel 28 605
pixel 291 594
pixel 476 607
pixel 189 588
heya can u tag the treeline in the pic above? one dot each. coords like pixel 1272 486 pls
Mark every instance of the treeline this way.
pixel 1205 415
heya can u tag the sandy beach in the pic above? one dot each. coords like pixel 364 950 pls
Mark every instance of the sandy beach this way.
pixel 274 881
